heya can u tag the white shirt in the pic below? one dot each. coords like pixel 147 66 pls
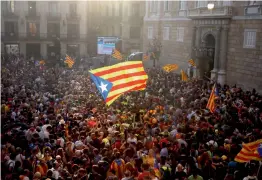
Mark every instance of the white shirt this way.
pixel 129 140
pixel 20 158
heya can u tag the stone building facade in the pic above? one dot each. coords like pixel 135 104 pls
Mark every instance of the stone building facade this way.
pixel 225 42
pixel 72 25
pixel 36 28
pixel 123 19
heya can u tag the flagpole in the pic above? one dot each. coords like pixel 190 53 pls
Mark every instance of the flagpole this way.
pixel 260 163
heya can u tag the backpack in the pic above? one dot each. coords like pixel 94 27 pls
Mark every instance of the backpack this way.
pixel 166 172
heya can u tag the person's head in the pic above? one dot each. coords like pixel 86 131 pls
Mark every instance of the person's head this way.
pixel 127 173
pixel 145 167
pixel 118 155
pixel 194 172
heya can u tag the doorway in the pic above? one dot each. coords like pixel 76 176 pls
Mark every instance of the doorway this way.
pixel 208 54
pixel 33 50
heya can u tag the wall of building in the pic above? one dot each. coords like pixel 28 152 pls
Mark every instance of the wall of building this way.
pixel 244 65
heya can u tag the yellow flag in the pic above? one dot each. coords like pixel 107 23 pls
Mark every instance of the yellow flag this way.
pixel 170 67
pixel 192 62
pixel 183 76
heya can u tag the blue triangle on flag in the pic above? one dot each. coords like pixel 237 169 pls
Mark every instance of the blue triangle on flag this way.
pixel 102 85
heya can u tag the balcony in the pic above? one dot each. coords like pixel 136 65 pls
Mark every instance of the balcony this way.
pixel 73 17
pixel 9 36
pixel 254 10
pixel 32 15
pixel 182 13
pixel 217 12
pixel 54 16
pixel 9 15
pixel 53 36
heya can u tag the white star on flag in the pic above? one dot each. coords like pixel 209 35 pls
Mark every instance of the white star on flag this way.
pixel 103 87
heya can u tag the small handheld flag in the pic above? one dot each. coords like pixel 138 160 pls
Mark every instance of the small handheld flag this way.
pixel 146 56
pixel 192 63
pixel 116 54
pixel 183 76
pixel 170 67
pixel 211 105
pixel 69 61
pixel 112 81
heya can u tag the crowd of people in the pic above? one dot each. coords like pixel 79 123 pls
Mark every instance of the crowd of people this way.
pixel 55 125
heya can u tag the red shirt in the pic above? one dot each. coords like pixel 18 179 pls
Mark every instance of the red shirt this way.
pixel 142 175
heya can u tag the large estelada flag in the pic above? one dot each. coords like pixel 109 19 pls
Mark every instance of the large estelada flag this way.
pixel 113 81
pixel 211 105
pixel 249 152
pixel 170 67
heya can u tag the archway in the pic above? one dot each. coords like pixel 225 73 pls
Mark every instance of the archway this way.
pixel 208 54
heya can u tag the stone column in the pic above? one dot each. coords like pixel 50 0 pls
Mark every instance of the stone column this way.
pixel 217 51
pixel 22 48
pixel 197 55
pixel 193 42
pixel 43 48
pixel 223 57
pixel 192 53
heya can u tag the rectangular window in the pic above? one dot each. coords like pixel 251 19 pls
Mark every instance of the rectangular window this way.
pixel 202 3
pixel 11 27
pixel 250 38
pixel 135 9
pixel 72 9
pixel 153 6
pixel 180 34
pixel 150 33
pixel 135 32
pixel 10 6
pixel 182 5
pixel 227 3
pixel 166 6
pixel 53 8
pixel 33 28
pixel 166 33
pixel 73 29
pixel 53 28
pixel 32 7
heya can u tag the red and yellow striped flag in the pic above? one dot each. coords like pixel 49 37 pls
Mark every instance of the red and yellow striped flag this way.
pixel 69 61
pixel 170 67
pixel 211 105
pixel 184 76
pixel 249 152
pixel 116 54
pixel 113 81
pixel 192 63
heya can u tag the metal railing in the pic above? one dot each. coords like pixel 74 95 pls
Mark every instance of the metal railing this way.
pixel 8 36
pixel 222 11
pixel 73 16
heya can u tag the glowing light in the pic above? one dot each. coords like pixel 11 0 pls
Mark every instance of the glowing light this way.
pixel 210 5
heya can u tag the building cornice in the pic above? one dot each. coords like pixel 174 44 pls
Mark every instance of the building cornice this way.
pixel 188 19
pixel 167 19
pixel 247 17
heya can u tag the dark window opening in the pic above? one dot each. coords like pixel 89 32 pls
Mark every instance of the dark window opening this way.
pixel 32 7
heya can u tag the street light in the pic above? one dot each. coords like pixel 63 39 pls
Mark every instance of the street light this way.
pixel 210 6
